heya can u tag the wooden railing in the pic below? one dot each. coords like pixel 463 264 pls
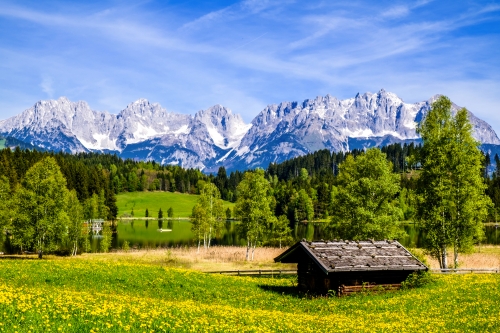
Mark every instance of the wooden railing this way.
pixel 464 270
pixel 257 272
pixel 294 272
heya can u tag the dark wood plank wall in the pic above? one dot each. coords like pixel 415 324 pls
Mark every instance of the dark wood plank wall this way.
pixel 312 279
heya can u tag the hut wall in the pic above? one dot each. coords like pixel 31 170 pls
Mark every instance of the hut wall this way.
pixel 312 279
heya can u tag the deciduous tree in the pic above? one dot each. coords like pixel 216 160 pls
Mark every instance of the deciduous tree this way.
pixel 363 201
pixel 207 215
pixel 254 207
pixel 75 222
pixel 41 207
pixel 451 187
pixel 6 212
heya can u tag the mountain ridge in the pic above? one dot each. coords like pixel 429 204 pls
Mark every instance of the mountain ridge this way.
pixel 216 137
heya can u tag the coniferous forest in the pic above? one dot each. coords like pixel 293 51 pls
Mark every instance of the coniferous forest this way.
pixel 302 187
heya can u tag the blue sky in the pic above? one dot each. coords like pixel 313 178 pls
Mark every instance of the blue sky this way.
pixel 190 55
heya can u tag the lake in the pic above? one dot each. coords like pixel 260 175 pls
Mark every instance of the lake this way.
pixel 145 234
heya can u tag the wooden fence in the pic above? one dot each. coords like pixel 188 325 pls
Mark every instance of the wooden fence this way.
pixel 294 272
pixel 464 270
pixel 258 272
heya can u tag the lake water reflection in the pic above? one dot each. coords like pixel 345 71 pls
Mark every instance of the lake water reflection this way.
pixel 146 234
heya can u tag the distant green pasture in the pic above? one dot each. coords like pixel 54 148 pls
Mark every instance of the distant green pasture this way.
pixel 181 203
pixel 2 143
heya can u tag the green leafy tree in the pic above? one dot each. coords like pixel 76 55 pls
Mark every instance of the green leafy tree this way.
pixel 147 213
pixel 254 207
pixel 40 221
pixel 281 232
pixel 198 220
pixel 6 212
pixel 91 207
pixel 209 204
pixel 170 212
pixel 451 187
pixel 363 201
pixel 228 213
pixel 107 237
pixel 303 205
pixel 102 209
pixel 75 222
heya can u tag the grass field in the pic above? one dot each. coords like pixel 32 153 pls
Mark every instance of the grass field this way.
pixel 181 203
pixel 80 295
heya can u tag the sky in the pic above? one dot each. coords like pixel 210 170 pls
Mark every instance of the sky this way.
pixel 190 55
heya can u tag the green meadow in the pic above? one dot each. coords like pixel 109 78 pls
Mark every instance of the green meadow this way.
pixel 181 203
pixel 2 143
pixel 105 294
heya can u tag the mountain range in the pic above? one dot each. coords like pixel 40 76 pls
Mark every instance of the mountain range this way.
pixel 216 137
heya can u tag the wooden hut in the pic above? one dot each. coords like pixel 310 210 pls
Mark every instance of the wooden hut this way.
pixel 348 266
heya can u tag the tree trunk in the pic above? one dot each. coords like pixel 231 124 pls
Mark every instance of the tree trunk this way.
pixel 444 259
pixel 40 254
pixel 455 256
pixel 248 250
pixel 209 237
pixel 253 251
pixel 437 255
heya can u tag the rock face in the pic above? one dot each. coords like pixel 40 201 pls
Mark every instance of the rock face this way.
pixel 216 136
pixel 292 129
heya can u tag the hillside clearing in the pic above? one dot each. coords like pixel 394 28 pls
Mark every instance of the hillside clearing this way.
pixel 138 202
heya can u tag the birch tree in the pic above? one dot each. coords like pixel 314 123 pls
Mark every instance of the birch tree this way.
pixel 452 202
pixel 281 232
pixel 207 215
pixel 254 208
pixel 75 222
pixel 198 217
pixel 40 221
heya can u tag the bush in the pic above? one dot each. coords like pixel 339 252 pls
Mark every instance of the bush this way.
pixel 126 246
pixel 418 279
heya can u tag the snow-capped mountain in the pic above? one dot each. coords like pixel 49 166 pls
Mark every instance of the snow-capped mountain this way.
pixel 291 129
pixel 142 130
pixel 215 136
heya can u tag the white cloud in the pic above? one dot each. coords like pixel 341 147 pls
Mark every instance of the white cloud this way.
pixel 396 11
pixel 47 87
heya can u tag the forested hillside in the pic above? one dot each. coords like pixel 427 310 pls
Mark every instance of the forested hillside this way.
pixel 302 187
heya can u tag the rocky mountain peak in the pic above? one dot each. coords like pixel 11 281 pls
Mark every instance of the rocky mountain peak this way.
pixel 216 136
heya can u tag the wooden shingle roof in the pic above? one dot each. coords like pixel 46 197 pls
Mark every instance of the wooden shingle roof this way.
pixel 340 255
